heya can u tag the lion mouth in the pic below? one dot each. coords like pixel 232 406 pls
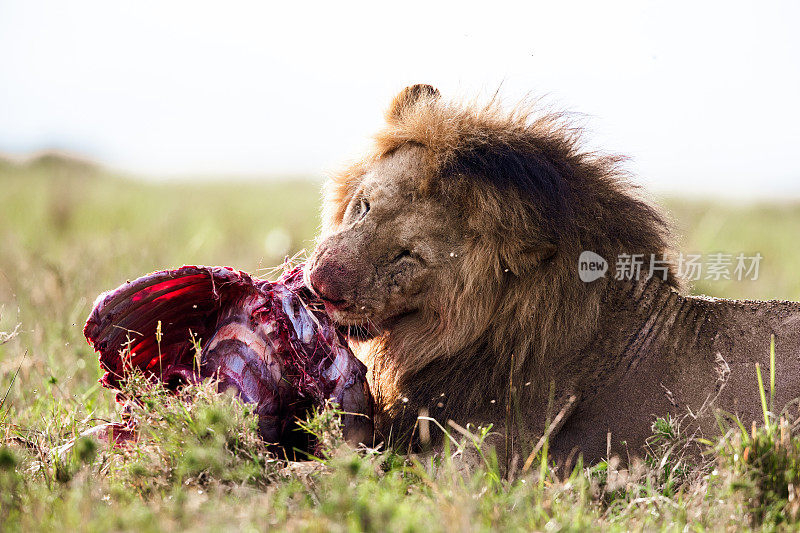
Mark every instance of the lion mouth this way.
pixel 354 325
pixel 347 314
pixel 334 306
pixel 356 321
pixel 364 327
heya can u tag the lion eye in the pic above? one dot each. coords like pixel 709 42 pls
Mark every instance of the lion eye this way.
pixel 362 208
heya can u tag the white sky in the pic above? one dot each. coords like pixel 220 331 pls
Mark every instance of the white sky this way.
pixel 702 95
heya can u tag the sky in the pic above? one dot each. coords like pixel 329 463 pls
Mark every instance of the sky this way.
pixel 704 97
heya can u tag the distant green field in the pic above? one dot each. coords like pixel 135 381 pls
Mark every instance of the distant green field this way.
pixel 69 231
pixel 773 230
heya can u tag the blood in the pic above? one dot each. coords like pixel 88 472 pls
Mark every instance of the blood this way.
pixel 270 341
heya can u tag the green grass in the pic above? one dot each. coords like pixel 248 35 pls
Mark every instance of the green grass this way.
pixel 68 232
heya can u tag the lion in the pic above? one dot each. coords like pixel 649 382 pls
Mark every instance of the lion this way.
pixel 450 253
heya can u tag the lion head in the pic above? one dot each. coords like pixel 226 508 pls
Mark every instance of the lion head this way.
pixel 391 248
pixel 454 244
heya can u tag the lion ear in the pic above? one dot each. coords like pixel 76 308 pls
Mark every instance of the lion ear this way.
pixel 408 98
pixel 520 261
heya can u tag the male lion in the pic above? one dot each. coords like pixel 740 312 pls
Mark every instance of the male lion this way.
pixel 453 249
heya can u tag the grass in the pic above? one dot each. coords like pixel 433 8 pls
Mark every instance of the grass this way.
pixel 69 231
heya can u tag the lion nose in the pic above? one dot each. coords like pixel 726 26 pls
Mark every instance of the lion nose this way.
pixel 327 279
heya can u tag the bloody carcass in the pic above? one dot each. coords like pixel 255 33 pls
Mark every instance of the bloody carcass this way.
pixel 269 341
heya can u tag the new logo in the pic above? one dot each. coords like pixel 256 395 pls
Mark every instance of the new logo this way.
pixel 591 267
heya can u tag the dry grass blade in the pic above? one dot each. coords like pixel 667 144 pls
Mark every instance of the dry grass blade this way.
pixel 13 379
pixel 552 427
pixel 7 336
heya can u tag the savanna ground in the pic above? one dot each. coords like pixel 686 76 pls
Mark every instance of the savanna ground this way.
pixel 68 232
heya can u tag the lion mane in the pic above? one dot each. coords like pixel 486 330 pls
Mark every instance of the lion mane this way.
pixel 512 319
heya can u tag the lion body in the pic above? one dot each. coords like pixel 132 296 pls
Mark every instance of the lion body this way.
pixel 453 249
